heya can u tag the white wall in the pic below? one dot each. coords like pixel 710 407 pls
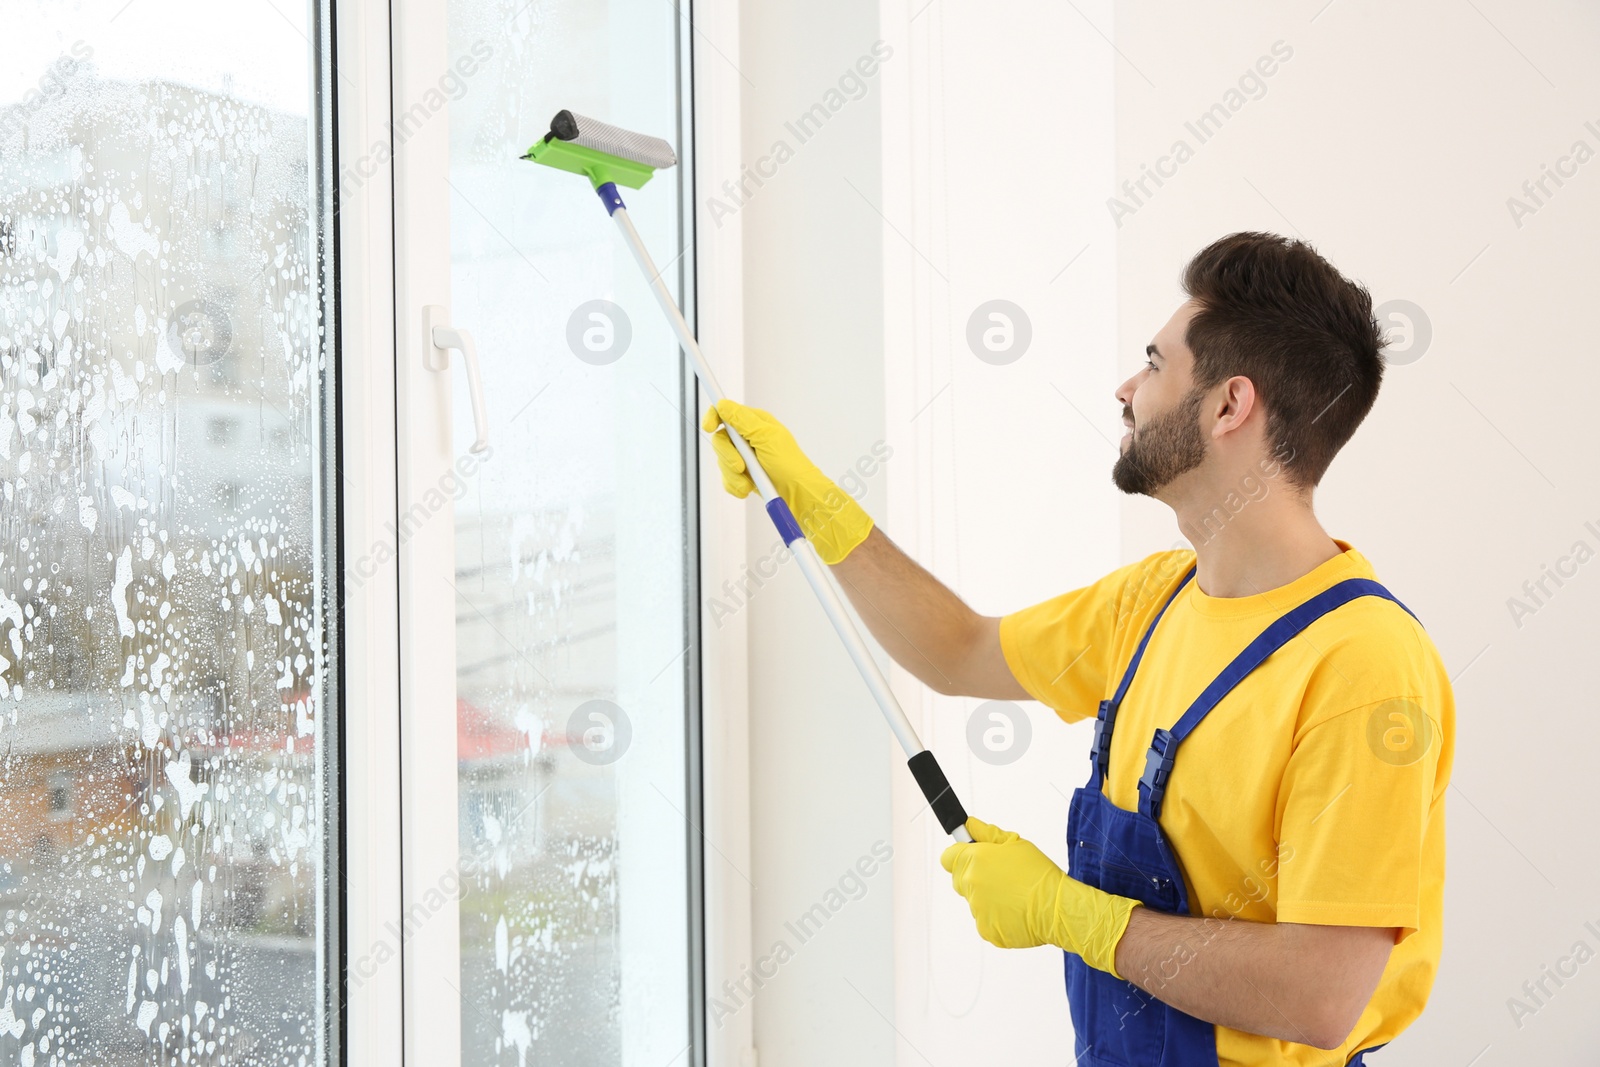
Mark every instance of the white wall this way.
pixel 997 139
pixel 865 255
pixel 1391 140
pixel 813 327
pixel 990 142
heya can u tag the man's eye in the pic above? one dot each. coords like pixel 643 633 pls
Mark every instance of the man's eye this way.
pixel 1150 364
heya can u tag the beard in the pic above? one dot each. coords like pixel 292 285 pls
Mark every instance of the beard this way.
pixel 1167 445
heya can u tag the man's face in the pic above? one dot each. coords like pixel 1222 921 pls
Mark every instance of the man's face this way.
pixel 1161 407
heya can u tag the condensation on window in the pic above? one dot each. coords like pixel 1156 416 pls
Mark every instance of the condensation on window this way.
pixel 538 829
pixel 162 644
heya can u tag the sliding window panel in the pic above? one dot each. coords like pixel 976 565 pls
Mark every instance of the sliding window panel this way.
pixel 167 637
pixel 574 552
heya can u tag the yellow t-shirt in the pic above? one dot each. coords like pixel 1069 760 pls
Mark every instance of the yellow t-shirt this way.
pixel 1312 793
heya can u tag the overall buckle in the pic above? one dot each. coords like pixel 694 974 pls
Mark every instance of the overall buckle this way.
pixel 1157 769
pixel 1100 749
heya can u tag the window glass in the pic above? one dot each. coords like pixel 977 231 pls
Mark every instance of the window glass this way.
pixel 571 548
pixel 164 642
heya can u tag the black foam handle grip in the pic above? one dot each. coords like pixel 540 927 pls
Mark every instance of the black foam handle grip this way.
pixel 936 787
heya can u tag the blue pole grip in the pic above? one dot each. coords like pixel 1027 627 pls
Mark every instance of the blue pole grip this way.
pixel 609 196
pixel 783 519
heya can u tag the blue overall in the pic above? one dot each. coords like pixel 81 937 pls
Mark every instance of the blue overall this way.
pixel 1125 852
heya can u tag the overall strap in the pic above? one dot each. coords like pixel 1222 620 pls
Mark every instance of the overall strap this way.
pixel 1106 718
pixel 1164 746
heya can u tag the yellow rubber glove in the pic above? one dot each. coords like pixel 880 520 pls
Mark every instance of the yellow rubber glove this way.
pixel 1021 899
pixel 829 518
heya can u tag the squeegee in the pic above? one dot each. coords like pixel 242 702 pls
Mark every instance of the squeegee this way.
pixel 609 156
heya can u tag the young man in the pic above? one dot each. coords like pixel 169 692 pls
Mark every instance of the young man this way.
pixel 1256 863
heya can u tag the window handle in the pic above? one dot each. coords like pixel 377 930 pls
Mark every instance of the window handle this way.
pixel 438 342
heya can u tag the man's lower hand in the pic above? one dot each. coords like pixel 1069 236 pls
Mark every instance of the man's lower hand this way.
pixel 1021 899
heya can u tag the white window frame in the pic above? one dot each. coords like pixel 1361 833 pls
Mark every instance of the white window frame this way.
pixel 373 1003
pixel 398 616
pixel 724 534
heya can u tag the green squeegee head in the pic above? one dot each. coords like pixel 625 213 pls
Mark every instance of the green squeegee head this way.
pixel 600 151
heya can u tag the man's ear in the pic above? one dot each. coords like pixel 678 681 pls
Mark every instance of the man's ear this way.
pixel 1235 400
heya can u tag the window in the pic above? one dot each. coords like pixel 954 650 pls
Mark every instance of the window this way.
pixel 60 792
pixel 574 554
pixel 173 586
pixel 219 431
pixel 165 648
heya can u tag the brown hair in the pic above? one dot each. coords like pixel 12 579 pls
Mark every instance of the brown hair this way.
pixel 1274 311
